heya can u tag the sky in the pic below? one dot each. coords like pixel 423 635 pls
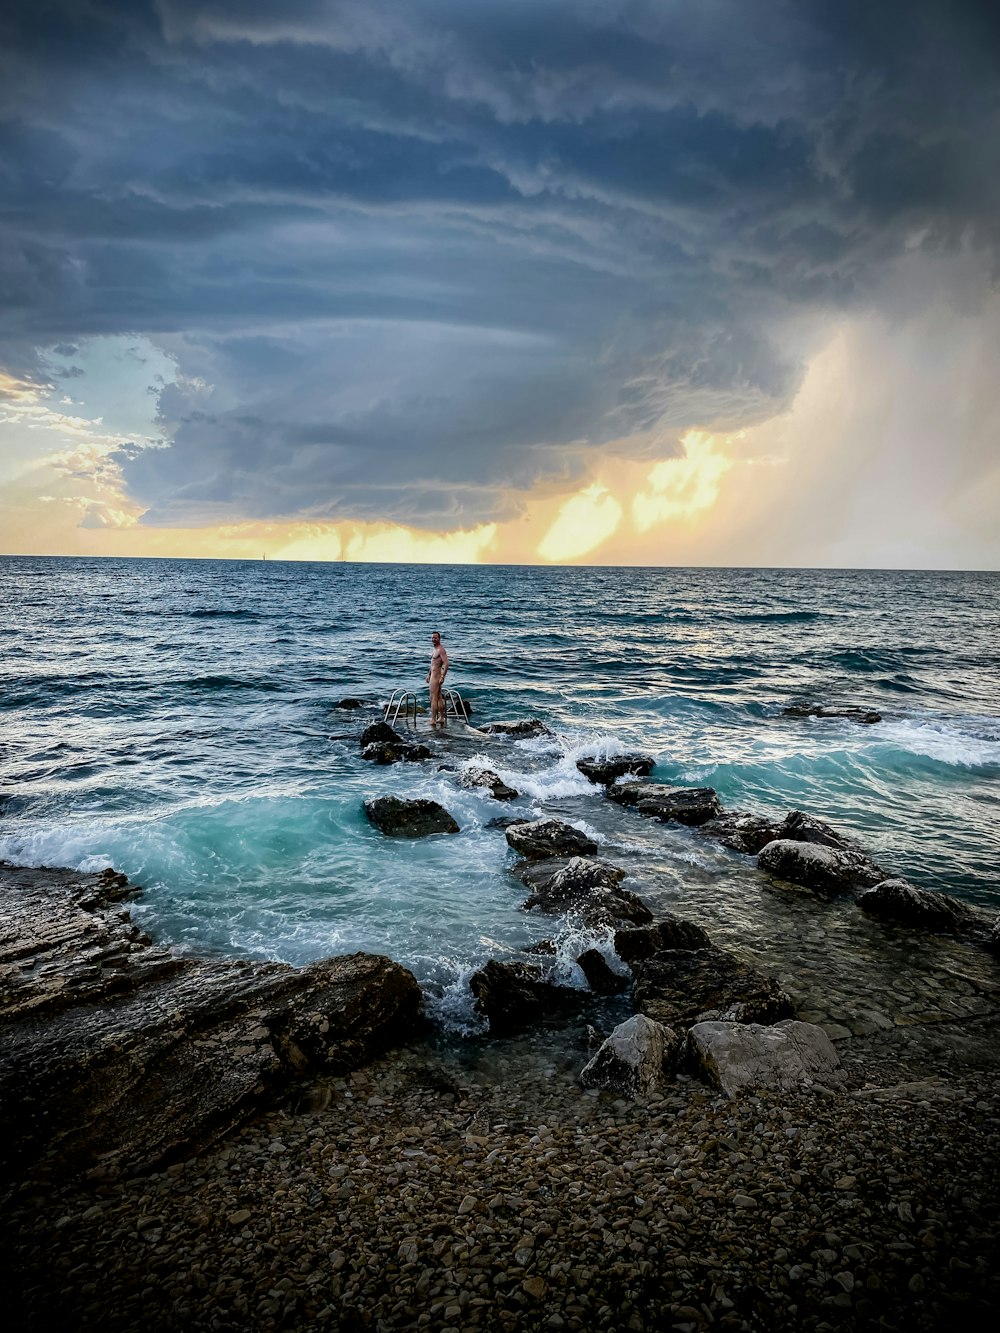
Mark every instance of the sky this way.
pixel 662 282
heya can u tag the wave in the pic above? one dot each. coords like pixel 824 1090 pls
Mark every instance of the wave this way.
pixel 219 613
pixel 207 683
pixel 970 746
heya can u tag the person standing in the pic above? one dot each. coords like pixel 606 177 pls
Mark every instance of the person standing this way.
pixel 435 679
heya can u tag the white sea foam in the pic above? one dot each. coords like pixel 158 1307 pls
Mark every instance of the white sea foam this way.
pixel 943 741
pixel 573 939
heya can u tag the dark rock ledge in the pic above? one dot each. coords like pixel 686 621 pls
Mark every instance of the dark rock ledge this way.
pixel 119 1056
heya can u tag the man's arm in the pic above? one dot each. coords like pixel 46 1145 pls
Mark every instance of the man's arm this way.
pixel 444 661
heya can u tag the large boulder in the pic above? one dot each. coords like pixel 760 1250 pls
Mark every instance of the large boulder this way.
pixel 554 875
pixel 685 986
pixel 827 871
pixel 737 1057
pixel 635 1060
pixel 380 752
pixel 605 771
pixel 590 888
pixel 380 733
pixel 529 726
pixel 655 800
pixel 397 818
pixel 537 839
pixel 513 996
pixel 636 943
pixel 485 777
pixel 897 900
pixel 119 1056
pixel 851 713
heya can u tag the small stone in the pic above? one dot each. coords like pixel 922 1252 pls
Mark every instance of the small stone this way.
pixel 239 1217
pixel 536 1287
pixel 468 1205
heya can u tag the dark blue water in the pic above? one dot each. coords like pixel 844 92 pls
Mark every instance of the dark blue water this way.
pixel 173 718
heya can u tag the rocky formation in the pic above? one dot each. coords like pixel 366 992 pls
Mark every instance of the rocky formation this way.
pixel 380 752
pixel 605 771
pixel 686 986
pixel 737 1057
pixel 655 800
pixel 380 733
pixel 538 839
pixel 590 888
pixel 397 818
pixel 485 777
pixel 118 1055
pixel 866 716
pixel 635 1059
pixel 529 726
pixel 825 870
pixel 512 996
pixel 601 977
pixel 897 900
pixel 742 831
pixel 349 703
pixel 637 943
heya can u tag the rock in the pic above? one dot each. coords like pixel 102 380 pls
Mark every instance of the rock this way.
pixel 529 726
pixel 800 827
pixel 511 996
pixel 485 777
pixel 655 800
pixel 640 942
pixel 539 838
pixel 685 986
pixel 898 900
pixel 380 733
pixel 397 818
pixel 634 1060
pixel 379 752
pixel 737 1057
pixel 993 938
pixel 114 1049
pixel 601 978
pixel 866 716
pixel 742 831
pixel 504 821
pixel 590 887
pixel 606 771
pixel 349 703
pixel 826 870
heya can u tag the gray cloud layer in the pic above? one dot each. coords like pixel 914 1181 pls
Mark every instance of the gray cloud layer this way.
pixel 426 252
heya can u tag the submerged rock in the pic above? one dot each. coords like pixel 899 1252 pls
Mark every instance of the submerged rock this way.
pixel 606 771
pixel 381 753
pixel 866 716
pixel 685 986
pixel 123 1056
pixel 380 733
pixel 898 900
pixel 485 777
pixel 397 818
pixel 529 726
pixel 737 1057
pixel 601 977
pixel 540 838
pixel 512 996
pixel 826 870
pixel 635 1060
pixel 349 703
pixel 641 942
pixel 742 831
pixel 655 800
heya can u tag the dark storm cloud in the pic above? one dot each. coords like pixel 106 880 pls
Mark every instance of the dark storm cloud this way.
pixel 409 256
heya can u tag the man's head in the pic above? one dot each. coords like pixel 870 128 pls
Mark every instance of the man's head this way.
pixel 435 638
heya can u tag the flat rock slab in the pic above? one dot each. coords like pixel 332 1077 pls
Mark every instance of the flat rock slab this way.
pixel 526 727
pixel 680 805
pixel 684 986
pixel 538 839
pixel 738 1058
pixel 826 870
pixel 866 716
pixel 118 1055
pixel 606 771
pixel 635 1060
pixel 397 818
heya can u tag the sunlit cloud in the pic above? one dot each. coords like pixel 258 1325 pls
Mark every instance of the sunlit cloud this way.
pixel 682 488
pixel 584 521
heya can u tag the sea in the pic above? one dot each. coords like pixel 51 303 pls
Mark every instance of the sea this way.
pixel 179 720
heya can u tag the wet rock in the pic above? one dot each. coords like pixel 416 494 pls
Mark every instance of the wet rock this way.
pixel 993 938
pixel 380 733
pixel 114 1049
pixel 606 771
pixel 866 716
pixel 485 777
pixel 897 900
pixel 529 726
pixel 504 821
pixel 591 888
pixel 539 838
pixel 398 818
pixel 640 942
pixel 826 870
pixel 381 753
pixel 800 827
pixel 737 1057
pixel 635 1060
pixel 655 800
pixel 349 703
pixel 586 871
pixel 686 986
pixel 742 831
pixel 601 977
pixel 513 996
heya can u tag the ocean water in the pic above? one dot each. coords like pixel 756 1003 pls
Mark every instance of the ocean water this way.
pixel 175 719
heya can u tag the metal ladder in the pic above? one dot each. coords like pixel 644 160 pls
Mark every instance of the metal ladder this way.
pixel 405 702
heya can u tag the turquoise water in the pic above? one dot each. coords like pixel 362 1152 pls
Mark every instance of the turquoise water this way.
pixel 174 719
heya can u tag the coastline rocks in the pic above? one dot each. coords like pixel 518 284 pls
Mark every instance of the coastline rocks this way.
pixel 540 838
pixel 655 800
pixel 380 733
pixel 349 703
pixel 825 870
pixel 638 943
pixel 512 996
pixel 898 900
pixel 485 777
pixel 601 977
pixel 741 831
pixel 605 771
pixel 634 1060
pixel 737 1058
pixel 866 716
pixel 685 986
pixel 591 888
pixel 397 818
pixel 529 726
pixel 379 752
pixel 120 1056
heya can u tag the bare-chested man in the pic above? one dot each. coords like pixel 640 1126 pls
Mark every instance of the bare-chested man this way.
pixel 435 679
